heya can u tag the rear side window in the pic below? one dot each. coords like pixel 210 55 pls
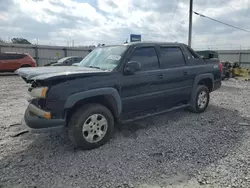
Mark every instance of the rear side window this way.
pixel 192 53
pixel 147 57
pixel 5 56
pixel 172 57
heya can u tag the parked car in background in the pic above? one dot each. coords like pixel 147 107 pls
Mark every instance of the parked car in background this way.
pixel 66 61
pixel 11 61
pixel 75 64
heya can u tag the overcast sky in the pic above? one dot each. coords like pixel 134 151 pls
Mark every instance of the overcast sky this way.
pixel 112 21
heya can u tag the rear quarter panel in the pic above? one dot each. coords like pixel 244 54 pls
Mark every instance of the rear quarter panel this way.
pixel 200 66
pixel 206 69
pixel 28 60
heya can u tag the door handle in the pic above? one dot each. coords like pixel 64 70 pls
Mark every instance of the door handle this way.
pixel 160 76
pixel 185 73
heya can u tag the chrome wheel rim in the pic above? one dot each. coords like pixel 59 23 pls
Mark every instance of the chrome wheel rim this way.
pixel 95 128
pixel 202 99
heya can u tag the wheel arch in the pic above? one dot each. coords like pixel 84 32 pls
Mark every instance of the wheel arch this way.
pixel 207 82
pixel 204 79
pixel 107 97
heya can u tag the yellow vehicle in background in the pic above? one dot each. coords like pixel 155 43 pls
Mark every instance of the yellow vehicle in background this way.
pixel 229 69
pixel 239 71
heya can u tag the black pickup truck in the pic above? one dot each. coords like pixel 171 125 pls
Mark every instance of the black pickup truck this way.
pixel 118 83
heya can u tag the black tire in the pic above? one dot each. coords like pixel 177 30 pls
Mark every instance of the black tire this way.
pixel 77 120
pixel 194 107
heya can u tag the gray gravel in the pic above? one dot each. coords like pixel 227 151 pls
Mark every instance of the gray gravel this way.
pixel 179 149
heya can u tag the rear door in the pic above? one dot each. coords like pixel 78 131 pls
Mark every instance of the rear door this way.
pixel 178 85
pixel 142 91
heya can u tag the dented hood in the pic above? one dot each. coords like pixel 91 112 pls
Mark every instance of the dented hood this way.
pixel 47 73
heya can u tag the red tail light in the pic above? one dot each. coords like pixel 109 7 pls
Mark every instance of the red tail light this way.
pixel 221 67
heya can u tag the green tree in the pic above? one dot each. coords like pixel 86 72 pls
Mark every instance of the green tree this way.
pixel 20 41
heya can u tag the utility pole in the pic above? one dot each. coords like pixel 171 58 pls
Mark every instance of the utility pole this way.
pixel 190 23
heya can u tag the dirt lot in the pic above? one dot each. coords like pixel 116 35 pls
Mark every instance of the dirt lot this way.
pixel 179 149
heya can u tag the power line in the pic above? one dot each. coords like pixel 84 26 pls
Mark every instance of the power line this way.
pixel 173 14
pixel 201 15
pixel 182 22
pixel 233 7
pixel 229 5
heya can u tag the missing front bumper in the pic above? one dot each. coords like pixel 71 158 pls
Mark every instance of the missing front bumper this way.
pixel 34 118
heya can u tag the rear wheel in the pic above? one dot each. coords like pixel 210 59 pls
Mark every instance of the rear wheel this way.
pixel 201 99
pixel 91 126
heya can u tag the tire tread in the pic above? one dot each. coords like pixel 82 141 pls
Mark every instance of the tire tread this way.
pixel 81 112
pixel 193 103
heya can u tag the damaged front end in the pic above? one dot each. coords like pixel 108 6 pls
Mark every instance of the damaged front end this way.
pixel 37 115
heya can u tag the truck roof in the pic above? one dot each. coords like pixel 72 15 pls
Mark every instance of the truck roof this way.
pixel 146 43
pixel 159 43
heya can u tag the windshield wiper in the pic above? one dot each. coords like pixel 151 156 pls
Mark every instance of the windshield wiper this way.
pixel 93 67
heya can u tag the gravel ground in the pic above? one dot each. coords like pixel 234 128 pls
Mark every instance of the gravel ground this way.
pixel 179 149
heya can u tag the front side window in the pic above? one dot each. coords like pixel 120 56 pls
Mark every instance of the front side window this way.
pixel 147 57
pixel 105 58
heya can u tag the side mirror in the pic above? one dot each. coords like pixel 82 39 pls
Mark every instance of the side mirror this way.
pixel 131 67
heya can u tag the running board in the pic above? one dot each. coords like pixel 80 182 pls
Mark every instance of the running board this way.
pixel 154 114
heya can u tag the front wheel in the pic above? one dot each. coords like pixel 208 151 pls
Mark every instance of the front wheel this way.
pixel 201 99
pixel 91 126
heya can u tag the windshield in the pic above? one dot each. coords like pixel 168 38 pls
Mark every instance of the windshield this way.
pixel 106 58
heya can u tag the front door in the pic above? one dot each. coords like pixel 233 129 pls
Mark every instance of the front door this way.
pixel 142 90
